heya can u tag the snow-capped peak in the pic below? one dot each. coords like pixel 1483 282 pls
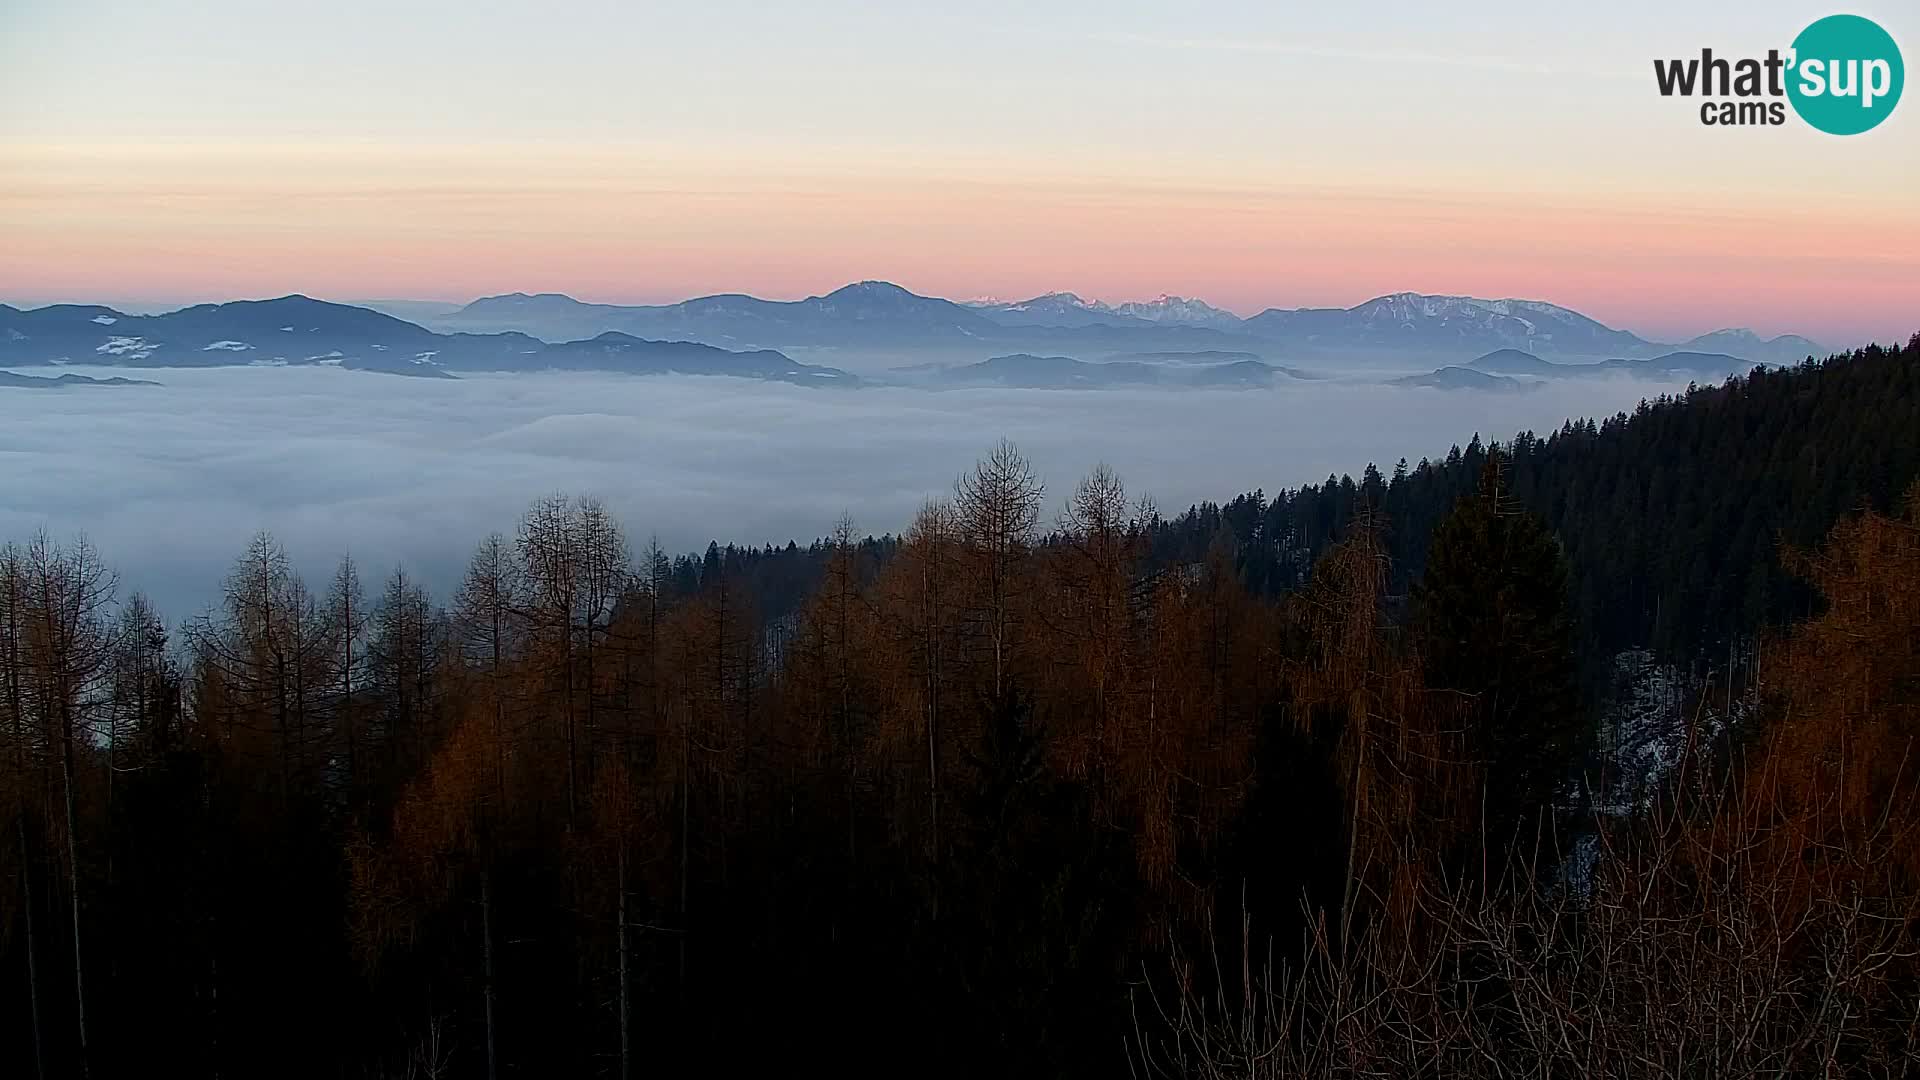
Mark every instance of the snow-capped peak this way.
pixel 1056 300
pixel 1167 308
pixel 1410 306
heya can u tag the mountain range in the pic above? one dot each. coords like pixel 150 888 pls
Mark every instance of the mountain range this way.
pixel 300 331
pixel 748 337
pixel 880 315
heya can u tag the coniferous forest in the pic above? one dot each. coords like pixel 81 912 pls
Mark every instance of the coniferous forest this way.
pixel 1308 784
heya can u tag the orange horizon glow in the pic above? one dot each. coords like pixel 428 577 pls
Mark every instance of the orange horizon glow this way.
pixel 1258 156
pixel 194 220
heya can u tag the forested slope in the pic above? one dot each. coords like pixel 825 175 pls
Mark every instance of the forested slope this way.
pixel 1670 516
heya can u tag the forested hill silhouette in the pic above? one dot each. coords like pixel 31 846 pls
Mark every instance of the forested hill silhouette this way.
pixel 1670 516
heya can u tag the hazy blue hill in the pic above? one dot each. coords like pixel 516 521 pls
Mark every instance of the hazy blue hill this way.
pixel 1038 372
pixel 1464 378
pixel 1704 367
pixel 1196 356
pixel 1521 368
pixel 1515 362
pixel 618 352
pixel 11 380
pixel 1247 373
pixel 1028 371
pixel 1702 362
pixel 1747 345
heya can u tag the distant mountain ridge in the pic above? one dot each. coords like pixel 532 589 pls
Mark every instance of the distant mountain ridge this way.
pixel 300 331
pixel 1414 321
pixel 747 335
pixel 37 382
pixel 874 314
pixel 1782 350
pixel 867 312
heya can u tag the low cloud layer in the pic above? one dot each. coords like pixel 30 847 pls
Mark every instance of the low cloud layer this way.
pixel 170 481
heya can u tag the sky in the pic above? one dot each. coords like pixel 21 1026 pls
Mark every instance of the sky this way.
pixel 171 481
pixel 1254 154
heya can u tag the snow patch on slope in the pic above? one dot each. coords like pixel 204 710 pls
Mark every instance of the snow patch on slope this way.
pixel 132 348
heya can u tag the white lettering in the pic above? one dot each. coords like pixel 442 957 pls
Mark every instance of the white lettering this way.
pixel 1813 78
pixel 1878 81
pixel 1847 87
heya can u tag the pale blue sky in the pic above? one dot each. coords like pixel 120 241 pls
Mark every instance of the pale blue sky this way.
pixel 991 73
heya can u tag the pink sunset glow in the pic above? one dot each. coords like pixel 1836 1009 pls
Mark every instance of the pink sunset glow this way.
pixel 180 224
pixel 1003 155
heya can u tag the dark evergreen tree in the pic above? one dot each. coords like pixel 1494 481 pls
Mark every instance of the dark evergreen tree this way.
pixel 1490 620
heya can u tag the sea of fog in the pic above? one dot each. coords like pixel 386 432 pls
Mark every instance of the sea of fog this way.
pixel 170 481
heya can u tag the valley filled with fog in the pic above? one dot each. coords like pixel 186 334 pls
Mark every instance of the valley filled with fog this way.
pixel 169 481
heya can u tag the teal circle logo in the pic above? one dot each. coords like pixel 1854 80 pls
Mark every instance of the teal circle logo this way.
pixel 1846 74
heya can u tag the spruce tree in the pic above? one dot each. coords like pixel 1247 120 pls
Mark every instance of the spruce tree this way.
pixel 1490 617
